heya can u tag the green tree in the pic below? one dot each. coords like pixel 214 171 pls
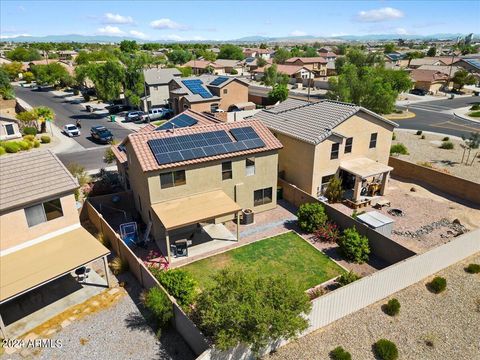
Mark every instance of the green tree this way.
pixel 310 52
pixel 179 283
pixel 51 74
pixel 334 191
pixel 207 55
pixel 45 48
pixel 342 49
pixel 6 89
pixel 279 92
pixel 462 77
pixel 311 216
pixel 353 246
pixel 28 76
pixel 272 76
pixel 261 62
pixel 108 79
pixel 84 57
pixel 185 70
pixel 13 70
pixel 229 51
pixel 43 114
pixel 179 56
pixel 281 55
pixel 245 307
pixel 27 118
pixel 389 48
pixel 432 51
pixel 151 46
pixel 23 54
pixel 128 46
pixel 413 55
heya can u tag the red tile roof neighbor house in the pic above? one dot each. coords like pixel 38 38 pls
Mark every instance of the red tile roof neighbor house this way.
pixel 283 69
pixel 307 60
pixel 428 75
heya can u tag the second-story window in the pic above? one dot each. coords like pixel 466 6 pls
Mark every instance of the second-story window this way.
pixel 334 152
pixel 226 170
pixel 373 140
pixel 225 91
pixel 213 107
pixel 348 145
pixel 172 178
pixel 44 212
pixel 250 166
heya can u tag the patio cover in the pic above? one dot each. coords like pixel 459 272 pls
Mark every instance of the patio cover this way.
pixel 36 265
pixel 364 167
pixel 193 209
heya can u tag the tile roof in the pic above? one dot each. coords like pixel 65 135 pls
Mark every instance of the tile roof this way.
pixel 428 75
pixel 202 64
pixel 29 177
pixel 310 122
pixel 160 76
pixel 148 162
pixel 308 60
pixel 283 69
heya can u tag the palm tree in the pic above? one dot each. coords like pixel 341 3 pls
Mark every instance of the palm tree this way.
pixel 42 115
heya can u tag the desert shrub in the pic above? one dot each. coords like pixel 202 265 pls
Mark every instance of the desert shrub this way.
pixel 76 91
pixel 399 149
pixel 86 97
pixel 475 107
pixel 24 145
pixel 473 268
pixel 311 216
pixel 386 349
pixel 446 138
pixel 30 138
pixel 392 307
pixel 234 72
pixel 334 191
pixel 438 284
pixel 347 278
pixel 422 137
pixel 178 283
pixel 159 305
pixel 425 164
pixel 36 144
pixel 419 132
pixel 328 233
pixel 45 139
pixel 474 114
pixel 316 292
pixel 354 246
pixel 12 147
pixel 339 353
pixel 397 111
pixel 394 136
pixel 30 130
pixel 2 150
pixel 118 266
pixel 447 145
pixel 109 157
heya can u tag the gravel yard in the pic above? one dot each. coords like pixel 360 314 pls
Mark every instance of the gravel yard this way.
pixel 448 322
pixel 428 150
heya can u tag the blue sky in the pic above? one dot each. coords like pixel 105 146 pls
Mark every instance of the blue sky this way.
pixel 224 20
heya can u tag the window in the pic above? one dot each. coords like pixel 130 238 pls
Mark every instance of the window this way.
pixel 348 145
pixel 225 91
pixel 249 166
pixel 334 152
pixel 226 170
pixel 173 178
pixel 324 184
pixel 44 212
pixel 213 107
pixel 373 141
pixel 262 196
pixel 9 129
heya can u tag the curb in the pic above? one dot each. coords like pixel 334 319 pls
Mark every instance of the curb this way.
pixel 393 118
pixel 465 117
pixel 431 133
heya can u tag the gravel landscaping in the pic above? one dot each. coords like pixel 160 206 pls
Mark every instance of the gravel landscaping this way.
pixel 429 326
pixel 428 150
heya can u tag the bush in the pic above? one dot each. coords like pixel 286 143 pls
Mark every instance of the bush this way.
pixel 86 97
pixel 339 353
pixel 24 145
pixel 334 191
pixel 118 266
pixel 109 157
pixel 447 145
pixel 422 137
pixel 327 233
pixel 2 150
pixel 76 92
pixel 475 107
pixel 386 349
pixel 398 149
pixel 347 278
pixel 45 139
pixel 234 72
pixel 419 132
pixel 392 307
pixel 438 284
pixel 12 147
pixel 30 130
pixel 473 268
pixel 354 246
pixel 446 138
pixel 178 283
pixel 311 216
pixel 30 138
pixel 394 136
pixel 474 114
pixel 36 144
pixel 159 305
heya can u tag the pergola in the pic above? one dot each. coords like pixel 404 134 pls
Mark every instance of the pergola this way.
pixel 193 209
pixel 33 266
pixel 364 168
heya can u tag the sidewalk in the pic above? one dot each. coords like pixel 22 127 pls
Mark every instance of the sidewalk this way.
pixel 462 113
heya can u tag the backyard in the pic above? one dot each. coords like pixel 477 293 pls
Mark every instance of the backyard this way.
pixel 286 253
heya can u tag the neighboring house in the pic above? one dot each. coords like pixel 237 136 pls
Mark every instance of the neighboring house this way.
pixel 327 54
pixel 429 80
pixel 251 63
pixel 331 69
pixel 435 61
pixel 230 65
pixel 156 85
pixel 266 54
pixel 9 130
pixel 328 138
pixel 396 59
pixel 296 73
pixel 41 236
pixel 208 172
pixel 200 67
pixel 471 65
pixel 207 93
pixel 316 64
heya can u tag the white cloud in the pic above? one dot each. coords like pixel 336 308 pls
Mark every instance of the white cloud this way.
pixel 110 30
pixel 138 34
pixel 13 36
pixel 401 31
pixel 167 24
pixel 110 18
pixel 298 33
pixel 378 15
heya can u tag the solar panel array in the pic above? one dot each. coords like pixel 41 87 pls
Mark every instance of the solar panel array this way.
pixel 180 121
pixel 219 80
pixel 473 62
pixel 195 146
pixel 196 87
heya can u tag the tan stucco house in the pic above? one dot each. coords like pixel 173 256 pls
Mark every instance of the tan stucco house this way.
pixel 328 138
pixel 316 64
pixel 429 80
pixel 297 74
pixel 156 86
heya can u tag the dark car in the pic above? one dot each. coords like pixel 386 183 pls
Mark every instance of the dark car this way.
pixel 101 134
pixel 419 92
pixel 115 109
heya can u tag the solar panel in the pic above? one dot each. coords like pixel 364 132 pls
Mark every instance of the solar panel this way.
pixel 219 80
pixel 196 87
pixel 179 121
pixel 244 133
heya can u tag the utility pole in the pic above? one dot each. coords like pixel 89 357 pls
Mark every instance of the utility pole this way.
pixel 309 84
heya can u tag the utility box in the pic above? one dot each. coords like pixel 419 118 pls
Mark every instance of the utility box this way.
pixel 377 221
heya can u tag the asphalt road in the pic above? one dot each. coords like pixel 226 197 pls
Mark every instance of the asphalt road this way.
pixel 68 113
pixel 90 159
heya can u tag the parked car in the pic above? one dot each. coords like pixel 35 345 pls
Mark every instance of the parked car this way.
pixel 71 130
pixel 115 109
pixel 101 134
pixel 134 116
pixel 419 92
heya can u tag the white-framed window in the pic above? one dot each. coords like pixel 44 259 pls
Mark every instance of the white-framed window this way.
pixel 43 212
pixel 250 166
pixel 9 129
pixel 334 151
pixel 348 145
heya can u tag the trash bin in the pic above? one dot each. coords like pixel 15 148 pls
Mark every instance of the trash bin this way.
pixel 452 96
pixel 279 193
pixel 247 216
pixel 112 118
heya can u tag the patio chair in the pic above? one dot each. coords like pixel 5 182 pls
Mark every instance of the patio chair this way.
pixel 82 274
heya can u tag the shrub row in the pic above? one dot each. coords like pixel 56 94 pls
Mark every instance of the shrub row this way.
pixel 384 349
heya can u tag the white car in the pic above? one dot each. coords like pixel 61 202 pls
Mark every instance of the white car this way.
pixel 71 130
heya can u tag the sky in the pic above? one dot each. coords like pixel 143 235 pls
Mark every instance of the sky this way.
pixel 229 20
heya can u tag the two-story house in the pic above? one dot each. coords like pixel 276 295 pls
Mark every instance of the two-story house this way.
pixel 316 64
pixel 41 238
pixel 328 138
pixel 156 86
pixel 296 73
pixel 203 172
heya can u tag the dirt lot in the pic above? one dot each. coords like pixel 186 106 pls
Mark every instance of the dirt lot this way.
pixel 428 327
pixel 428 150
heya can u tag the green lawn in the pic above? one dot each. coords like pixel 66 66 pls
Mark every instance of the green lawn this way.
pixel 159 122
pixel 283 254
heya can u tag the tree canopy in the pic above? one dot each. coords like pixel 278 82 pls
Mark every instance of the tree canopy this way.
pixel 281 55
pixel 23 54
pixel 51 74
pixel 179 56
pixel 6 90
pixel 272 76
pixel 279 92
pixel 12 69
pixel 229 51
pixel 432 51
pixel 128 46
pixel 462 77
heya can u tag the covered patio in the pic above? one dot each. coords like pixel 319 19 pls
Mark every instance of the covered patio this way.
pixel 191 211
pixel 34 266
